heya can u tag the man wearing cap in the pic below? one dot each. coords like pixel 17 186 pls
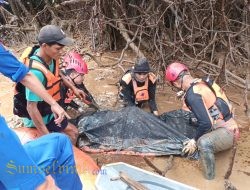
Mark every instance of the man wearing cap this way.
pixel 139 85
pixel 28 166
pixel 44 65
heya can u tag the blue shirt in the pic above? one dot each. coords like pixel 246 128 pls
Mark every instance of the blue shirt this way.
pixel 11 150
pixel 10 66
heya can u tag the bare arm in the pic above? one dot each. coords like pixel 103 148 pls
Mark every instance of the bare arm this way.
pixel 31 82
pixel 36 117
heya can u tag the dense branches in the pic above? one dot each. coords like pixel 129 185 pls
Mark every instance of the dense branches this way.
pixel 211 35
pixel 198 31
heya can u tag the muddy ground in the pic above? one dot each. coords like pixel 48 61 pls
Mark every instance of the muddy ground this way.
pixel 101 82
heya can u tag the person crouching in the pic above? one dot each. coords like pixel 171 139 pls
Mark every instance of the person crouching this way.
pixel 138 86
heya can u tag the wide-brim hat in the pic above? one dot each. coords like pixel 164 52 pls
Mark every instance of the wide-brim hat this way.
pixel 142 66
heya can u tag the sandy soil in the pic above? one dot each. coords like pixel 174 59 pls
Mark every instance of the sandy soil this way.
pixel 102 83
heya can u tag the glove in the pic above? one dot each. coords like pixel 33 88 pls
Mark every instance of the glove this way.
pixel 189 147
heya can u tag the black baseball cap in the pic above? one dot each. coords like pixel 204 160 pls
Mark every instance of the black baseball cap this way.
pixel 52 33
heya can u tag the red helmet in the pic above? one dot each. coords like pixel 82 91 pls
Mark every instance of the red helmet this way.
pixel 174 70
pixel 75 61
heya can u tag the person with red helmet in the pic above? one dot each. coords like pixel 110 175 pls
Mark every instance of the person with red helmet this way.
pixel 139 86
pixel 216 127
pixel 76 68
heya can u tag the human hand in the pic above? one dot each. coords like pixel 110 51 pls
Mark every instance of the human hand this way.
pixel 48 184
pixel 79 93
pixel 189 147
pixel 59 113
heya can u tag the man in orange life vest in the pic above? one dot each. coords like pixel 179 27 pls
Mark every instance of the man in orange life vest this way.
pixel 45 66
pixel 216 127
pixel 51 151
pixel 139 86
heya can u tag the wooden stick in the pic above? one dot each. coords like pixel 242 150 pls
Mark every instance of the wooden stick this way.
pixel 229 170
pixel 13 27
pixel 157 170
pixel 65 3
pixel 135 185
pixel 169 165
pixel 124 60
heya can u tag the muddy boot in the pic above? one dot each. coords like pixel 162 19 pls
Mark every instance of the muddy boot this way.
pixel 207 157
pixel 208 164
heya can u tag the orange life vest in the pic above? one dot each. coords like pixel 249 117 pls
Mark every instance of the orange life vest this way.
pixel 141 93
pixel 215 100
pixel 52 85
pixel 52 79
pixel 218 106
pixel 69 96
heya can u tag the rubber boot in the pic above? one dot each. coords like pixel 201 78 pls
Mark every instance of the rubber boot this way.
pixel 208 163
pixel 207 157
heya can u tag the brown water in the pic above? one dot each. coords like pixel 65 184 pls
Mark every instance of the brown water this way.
pixel 101 82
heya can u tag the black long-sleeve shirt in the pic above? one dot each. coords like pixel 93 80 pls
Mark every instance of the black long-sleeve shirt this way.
pixel 196 104
pixel 128 94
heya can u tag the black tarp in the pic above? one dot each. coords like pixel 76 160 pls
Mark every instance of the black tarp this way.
pixel 132 129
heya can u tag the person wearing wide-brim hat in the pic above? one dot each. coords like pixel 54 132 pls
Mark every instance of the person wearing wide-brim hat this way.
pixel 138 86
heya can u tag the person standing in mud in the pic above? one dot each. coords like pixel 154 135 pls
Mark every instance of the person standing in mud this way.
pixel 138 86
pixel 49 152
pixel 44 64
pixel 216 127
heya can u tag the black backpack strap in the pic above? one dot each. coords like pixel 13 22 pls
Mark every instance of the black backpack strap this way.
pixel 33 50
pixel 42 61
pixel 30 63
pixel 209 82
